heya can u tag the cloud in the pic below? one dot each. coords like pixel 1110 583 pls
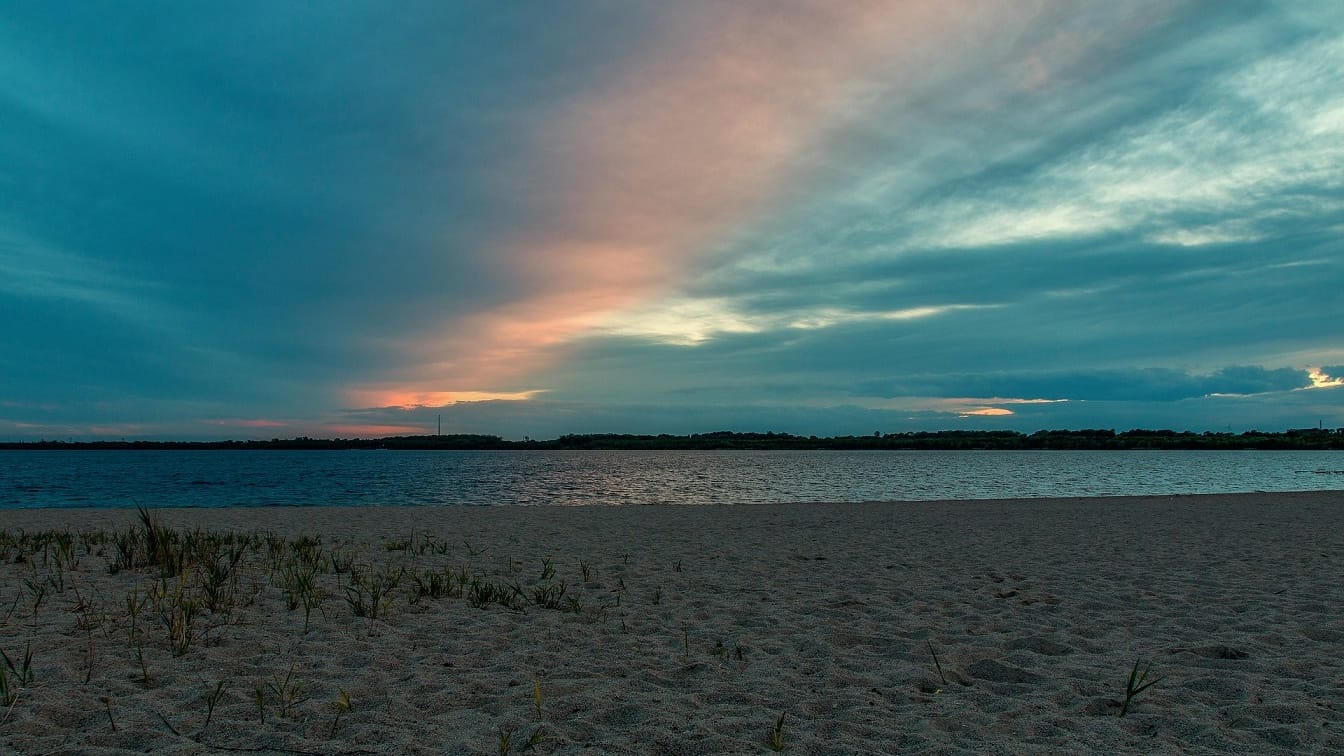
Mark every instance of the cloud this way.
pixel 1323 378
pixel 1255 145
pixel 847 214
pixel 259 422
pixel 548 418
pixel 638 178
pixel 409 400
pixel 1059 205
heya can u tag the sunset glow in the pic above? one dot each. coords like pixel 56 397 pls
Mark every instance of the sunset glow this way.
pixel 413 399
pixel 986 412
pixel 813 216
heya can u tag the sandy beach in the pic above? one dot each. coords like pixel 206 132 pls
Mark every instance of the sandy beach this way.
pixel 946 627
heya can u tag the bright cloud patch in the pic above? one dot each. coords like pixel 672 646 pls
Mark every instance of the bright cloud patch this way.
pixel 1257 146
pixel 1319 379
pixel 688 322
pixel 413 399
pixel 986 412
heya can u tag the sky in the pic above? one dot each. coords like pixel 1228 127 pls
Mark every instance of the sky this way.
pixel 276 219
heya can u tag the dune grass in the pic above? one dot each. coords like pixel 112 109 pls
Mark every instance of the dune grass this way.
pixel 183 587
pixel 1138 683
pixel 179 590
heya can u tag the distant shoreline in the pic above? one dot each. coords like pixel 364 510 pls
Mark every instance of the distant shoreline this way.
pixel 1073 440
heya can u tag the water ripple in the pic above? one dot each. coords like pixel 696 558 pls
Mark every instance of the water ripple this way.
pixel 579 478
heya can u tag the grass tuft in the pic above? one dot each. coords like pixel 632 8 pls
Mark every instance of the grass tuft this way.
pixel 776 737
pixel 212 699
pixel 1137 684
pixel 23 671
pixel 107 701
pixel 534 740
pixel 342 707
pixel 286 693
pixel 370 592
pixel 938 666
pixel 9 690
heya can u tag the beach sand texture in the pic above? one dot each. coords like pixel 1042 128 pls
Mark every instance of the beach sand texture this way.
pixel 697 627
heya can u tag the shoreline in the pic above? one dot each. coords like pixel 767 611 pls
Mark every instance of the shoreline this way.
pixel 698 625
pixel 123 515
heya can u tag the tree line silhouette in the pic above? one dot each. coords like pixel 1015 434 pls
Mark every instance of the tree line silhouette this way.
pixel 1088 439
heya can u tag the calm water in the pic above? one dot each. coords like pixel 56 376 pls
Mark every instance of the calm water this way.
pixel 325 478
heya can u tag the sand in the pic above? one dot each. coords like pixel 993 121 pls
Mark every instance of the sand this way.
pixel 699 626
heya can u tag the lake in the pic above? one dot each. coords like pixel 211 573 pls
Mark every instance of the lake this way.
pixel 490 478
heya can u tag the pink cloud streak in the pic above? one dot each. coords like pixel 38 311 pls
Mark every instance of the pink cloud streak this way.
pixel 249 423
pixel 640 177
